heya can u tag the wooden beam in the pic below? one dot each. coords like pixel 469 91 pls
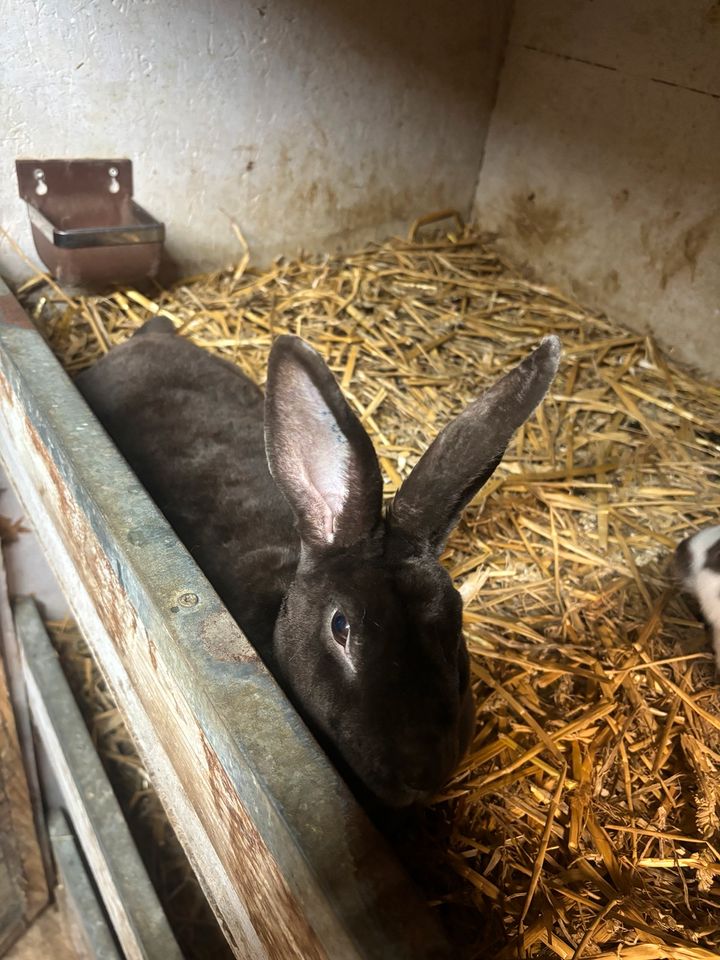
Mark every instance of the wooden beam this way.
pixel 11 658
pixel 289 862
pixel 85 915
pixel 23 885
pixel 119 872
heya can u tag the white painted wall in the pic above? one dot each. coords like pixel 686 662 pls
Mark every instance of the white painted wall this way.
pixel 26 568
pixel 323 123
pixel 602 165
pixel 311 123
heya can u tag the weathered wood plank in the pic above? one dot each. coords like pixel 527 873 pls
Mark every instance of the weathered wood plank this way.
pixel 85 915
pixel 12 660
pixel 12 905
pixel 126 890
pixel 289 862
pixel 23 886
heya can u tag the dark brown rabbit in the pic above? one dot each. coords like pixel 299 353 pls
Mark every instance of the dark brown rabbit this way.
pixel 282 509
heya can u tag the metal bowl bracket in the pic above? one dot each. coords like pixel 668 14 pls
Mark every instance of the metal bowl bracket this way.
pixel 87 228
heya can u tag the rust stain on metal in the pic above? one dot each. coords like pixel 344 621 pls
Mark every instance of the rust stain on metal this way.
pixel 284 930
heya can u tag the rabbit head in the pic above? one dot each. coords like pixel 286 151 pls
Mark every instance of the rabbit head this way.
pixel 369 637
pixel 696 566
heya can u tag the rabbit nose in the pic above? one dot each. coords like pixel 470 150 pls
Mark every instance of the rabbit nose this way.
pixel 420 788
pixel 426 775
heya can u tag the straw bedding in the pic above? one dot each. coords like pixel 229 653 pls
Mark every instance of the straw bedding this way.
pixel 586 820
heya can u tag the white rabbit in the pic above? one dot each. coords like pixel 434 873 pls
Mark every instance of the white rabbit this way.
pixel 696 564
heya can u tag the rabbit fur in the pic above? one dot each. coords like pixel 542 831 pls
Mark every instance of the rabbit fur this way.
pixel 696 564
pixel 279 500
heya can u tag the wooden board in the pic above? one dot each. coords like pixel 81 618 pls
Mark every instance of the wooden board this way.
pixel 600 165
pixel 288 861
pixel 89 930
pixel 23 887
pixel 12 662
pixel 129 898
pixel 48 938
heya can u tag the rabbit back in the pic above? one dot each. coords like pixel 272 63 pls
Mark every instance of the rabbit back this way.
pixel 190 425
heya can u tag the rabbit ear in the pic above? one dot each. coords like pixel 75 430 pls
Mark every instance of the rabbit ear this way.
pixel 464 455
pixel 318 451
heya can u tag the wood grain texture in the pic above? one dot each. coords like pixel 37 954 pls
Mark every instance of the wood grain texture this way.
pixel 23 887
pixel 12 662
pixel 89 930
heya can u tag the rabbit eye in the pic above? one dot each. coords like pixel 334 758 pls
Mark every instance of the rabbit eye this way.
pixel 340 628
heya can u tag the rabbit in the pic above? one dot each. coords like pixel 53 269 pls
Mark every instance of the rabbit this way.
pixel 696 564
pixel 279 500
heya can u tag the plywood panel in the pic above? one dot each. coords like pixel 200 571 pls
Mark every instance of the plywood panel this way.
pixel 659 40
pixel 606 183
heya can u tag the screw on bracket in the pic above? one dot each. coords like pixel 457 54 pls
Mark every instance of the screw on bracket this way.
pixel 188 599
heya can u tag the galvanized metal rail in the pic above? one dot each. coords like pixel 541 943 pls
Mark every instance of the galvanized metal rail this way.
pixel 287 859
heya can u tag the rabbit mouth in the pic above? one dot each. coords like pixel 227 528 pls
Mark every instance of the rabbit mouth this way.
pixel 409 790
pixel 403 795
